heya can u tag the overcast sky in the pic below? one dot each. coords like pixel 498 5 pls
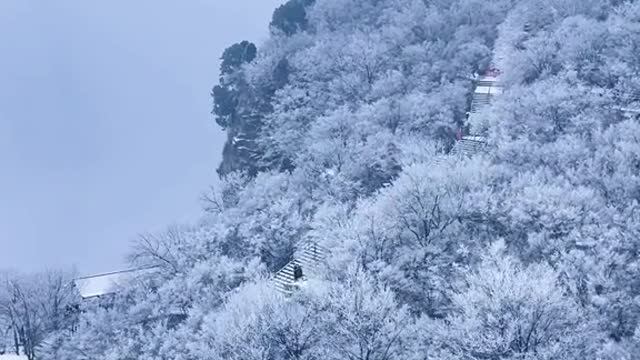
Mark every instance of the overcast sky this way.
pixel 105 125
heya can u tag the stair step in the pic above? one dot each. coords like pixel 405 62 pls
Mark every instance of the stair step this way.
pixel 287 272
pixel 488 83
pixel 468 146
pixel 316 251
pixel 307 258
pixel 285 278
pixel 285 281
pixel 283 275
pixel 314 257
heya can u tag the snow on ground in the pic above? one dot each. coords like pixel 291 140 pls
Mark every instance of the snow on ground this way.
pixel 12 357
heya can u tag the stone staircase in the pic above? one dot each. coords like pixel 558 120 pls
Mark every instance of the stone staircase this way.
pixel 306 262
pixel 469 145
pixel 487 87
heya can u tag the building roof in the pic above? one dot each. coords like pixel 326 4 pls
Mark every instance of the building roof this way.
pixel 493 90
pixel 103 284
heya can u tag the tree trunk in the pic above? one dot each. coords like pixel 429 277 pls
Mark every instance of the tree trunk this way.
pixel 16 343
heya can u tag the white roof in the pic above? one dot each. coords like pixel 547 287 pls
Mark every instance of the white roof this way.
pixel 494 78
pixel 488 90
pixel 103 284
pixel 476 138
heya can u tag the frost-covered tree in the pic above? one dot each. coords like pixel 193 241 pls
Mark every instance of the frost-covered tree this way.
pixel 34 307
pixel 357 320
pixel 362 321
pixel 291 17
pixel 417 234
pixel 507 310
pixel 258 323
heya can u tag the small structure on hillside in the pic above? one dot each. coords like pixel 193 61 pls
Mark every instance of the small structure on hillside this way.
pixel 101 287
pixel 305 263
pixel 94 286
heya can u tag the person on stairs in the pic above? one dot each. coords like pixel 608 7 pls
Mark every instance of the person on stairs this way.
pixel 297 272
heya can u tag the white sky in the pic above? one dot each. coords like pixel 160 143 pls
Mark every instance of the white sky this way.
pixel 105 125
